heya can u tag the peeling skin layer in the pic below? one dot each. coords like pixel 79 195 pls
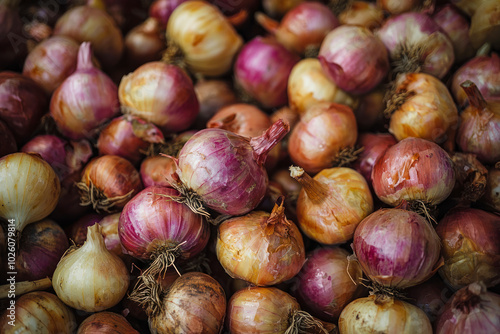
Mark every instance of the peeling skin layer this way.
pixel 220 167
pixel 413 169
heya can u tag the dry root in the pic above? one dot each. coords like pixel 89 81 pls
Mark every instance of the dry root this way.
pixel 346 156
pixel 424 209
pixel 91 195
pixel 175 56
pixel 303 322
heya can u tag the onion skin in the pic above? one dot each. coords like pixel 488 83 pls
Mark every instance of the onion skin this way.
pixel 419 30
pixel 260 310
pixel 144 43
pixel 78 230
pixel 195 303
pixel 154 170
pixel 375 145
pixel 168 100
pixel 91 278
pixel 413 169
pixel 492 192
pixel 219 152
pixel 128 137
pixel 324 285
pixel 248 121
pixel 68 208
pixel 51 62
pixel 278 8
pixel 309 85
pixel 7 139
pixel 470 247
pixel 428 112
pixel 205 36
pixel 41 246
pixel 471 310
pixel 79 23
pixel 354 58
pixel 456 26
pixel 383 315
pixel 303 27
pixel 150 219
pixel 114 177
pixel 23 104
pixel 363 13
pixel 162 9
pixel 261 248
pixel 212 96
pixel 262 69
pixel 482 71
pixel 106 323
pixel 39 312
pixel 479 131
pixel 51 149
pixel 74 106
pixel 31 188
pixel 406 255
pixel 430 296
pixel 322 132
pixel 398 7
pixel 485 25
pixel 331 205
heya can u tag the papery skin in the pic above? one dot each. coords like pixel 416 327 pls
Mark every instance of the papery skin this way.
pixel 324 284
pixel 114 176
pixel 86 23
pixel 479 132
pixel 333 217
pixel 418 29
pixel 397 248
pixel 154 171
pixel 471 249
pixel 91 278
pixel 262 69
pixel 30 191
pixel 51 62
pixel 85 100
pixel 471 310
pixel 429 112
pixel 308 85
pixel 209 42
pixel 128 136
pixel 260 310
pixel 363 13
pixel 255 250
pixel 483 71
pixel 354 58
pixel 105 322
pixel 162 94
pixel 162 9
pixel 385 315
pixel 413 169
pixel 23 104
pixel 305 25
pixel 51 148
pixel 151 220
pixel 220 167
pixel 40 247
pixel 456 26
pixel 195 303
pixel 322 132
pixel 39 309
pixel 375 145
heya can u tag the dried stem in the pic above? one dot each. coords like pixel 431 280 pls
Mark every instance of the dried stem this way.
pixel 269 139
pixel 476 99
pixel 314 189
pixel 383 291
pixel 91 195
pixel 338 6
pixel 395 98
pixel 346 156
pixel 25 287
pixel 303 322
pixel 408 58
